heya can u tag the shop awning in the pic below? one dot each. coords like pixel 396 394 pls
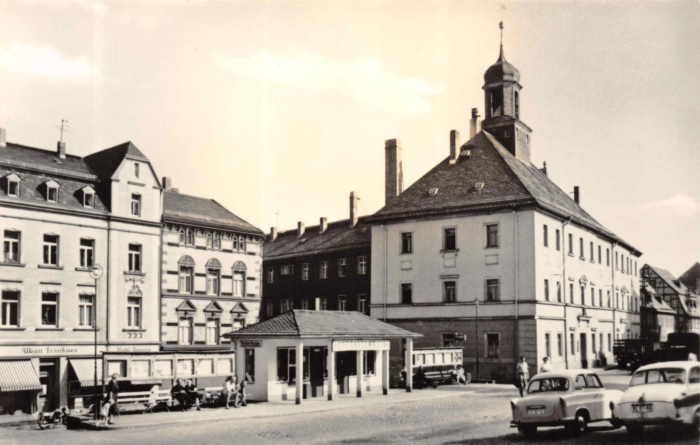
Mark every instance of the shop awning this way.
pixel 144 380
pixel 18 375
pixel 85 370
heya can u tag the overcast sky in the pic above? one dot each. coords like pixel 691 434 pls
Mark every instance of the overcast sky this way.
pixel 279 109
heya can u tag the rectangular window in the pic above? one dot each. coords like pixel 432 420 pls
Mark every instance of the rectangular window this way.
pixel 547 345
pixel 85 310
pixel 492 235
pixel 342 267
pixel 609 304
pixel 600 254
pixel 601 342
pixel 135 258
pixel 185 329
pixel 10 309
pixel 133 312
pixel 592 253
pixel 449 239
pixel 406 293
pixel 249 365
pixel 186 279
pixel 235 242
pixel 324 303
pixel 270 309
pixel 607 257
pixel 573 345
pixel 592 296
pixel 362 303
pixel 406 243
pixel 623 263
pixel 583 295
pixel 51 250
pixel 609 343
pixel 369 361
pixel 242 244
pixel 600 297
pixel 89 199
pixel 305 271
pixel 212 327
pixel 493 292
pixel 558 292
pixel 286 306
pixel 287 365
pixel 593 348
pixel 324 269
pixel 558 240
pixel 87 249
pixel 270 274
pixel 361 265
pixel 136 169
pixel 52 194
pixel 135 204
pixel 571 244
pixel 49 309
pixel 617 262
pixel 217 240
pixel 13 188
pixel 493 345
pixel 546 290
pixel 449 291
pixel 580 247
pixel 305 303
pixel 10 247
pixel 560 351
pixel 635 268
pixel 571 293
pixel 342 303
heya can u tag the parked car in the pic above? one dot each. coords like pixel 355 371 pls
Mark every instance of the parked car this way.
pixel 572 398
pixel 662 393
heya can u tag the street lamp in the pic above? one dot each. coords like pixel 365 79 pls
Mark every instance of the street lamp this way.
pixel 96 274
pixel 476 338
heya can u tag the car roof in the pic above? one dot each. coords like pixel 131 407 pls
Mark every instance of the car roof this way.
pixel 678 364
pixel 565 373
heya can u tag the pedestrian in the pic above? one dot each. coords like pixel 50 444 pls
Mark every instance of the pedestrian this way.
pixel 523 375
pixel 113 395
pixel 104 413
pixel 460 375
pixel 546 367
pixel 192 394
pixel 230 390
pixel 242 396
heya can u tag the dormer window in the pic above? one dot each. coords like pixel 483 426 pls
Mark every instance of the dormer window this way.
pixel 13 185
pixel 52 191
pixel 88 197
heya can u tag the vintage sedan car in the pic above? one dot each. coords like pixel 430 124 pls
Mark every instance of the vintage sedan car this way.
pixel 662 393
pixel 572 398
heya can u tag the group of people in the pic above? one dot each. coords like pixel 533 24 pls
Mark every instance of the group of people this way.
pixel 523 372
pixel 186 395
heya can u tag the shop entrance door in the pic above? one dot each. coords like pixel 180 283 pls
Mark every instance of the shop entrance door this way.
pixel 584 350
pixel 345 365
pixel 48 370
pixel 317 370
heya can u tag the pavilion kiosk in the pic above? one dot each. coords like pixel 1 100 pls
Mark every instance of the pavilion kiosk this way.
pixel 292 356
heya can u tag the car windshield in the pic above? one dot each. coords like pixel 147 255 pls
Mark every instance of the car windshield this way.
pixel 548 385
pixel 659 375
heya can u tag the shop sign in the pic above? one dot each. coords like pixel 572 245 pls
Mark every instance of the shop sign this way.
pixel 250 343
pixel 360 345
pixel 132 348
pixel 48 351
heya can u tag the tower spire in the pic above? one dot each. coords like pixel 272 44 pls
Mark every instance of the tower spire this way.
pixel 501 57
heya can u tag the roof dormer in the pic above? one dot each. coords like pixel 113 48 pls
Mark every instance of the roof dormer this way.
pixel 12 185
pixel 52 190
pixel 88 196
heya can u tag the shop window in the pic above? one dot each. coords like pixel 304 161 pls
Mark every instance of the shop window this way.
pixel 85 310
pixel 250 365
pixel 286 365
pixel 10 309
pixel 493 349
pixel 406 293
pixel 87 250
pixel 51 250
pixel 11 246
pixel 49 309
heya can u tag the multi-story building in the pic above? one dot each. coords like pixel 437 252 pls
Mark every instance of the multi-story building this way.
pixel 487 253
pixel 326 265
pixel 662 284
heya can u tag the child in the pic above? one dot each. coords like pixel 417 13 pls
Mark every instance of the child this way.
pixel 104 412
pixel 242 396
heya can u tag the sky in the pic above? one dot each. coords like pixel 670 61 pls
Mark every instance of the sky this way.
pixel 279 109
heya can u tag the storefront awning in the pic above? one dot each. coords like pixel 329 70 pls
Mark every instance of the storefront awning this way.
pixel 85 370
pixel 144 380
pixel 18 375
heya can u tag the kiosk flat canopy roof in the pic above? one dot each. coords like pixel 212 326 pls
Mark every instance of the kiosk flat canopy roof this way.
pixel 322 324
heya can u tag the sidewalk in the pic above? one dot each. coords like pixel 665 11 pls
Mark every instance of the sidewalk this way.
pixel 276 409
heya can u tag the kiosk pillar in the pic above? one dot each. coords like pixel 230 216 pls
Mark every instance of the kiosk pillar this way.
pixel 300 371
pixel 330 366
pixel 385 372
pixel 360 369
pixel 409 364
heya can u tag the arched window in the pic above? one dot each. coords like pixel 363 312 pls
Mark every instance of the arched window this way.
pixel 239 279
pixel 183 236
pixel 217 240
pixel 235 242
pixel 516 98
pixel 190 237
pixel 241 243
pixel 186 275
pixel 213 276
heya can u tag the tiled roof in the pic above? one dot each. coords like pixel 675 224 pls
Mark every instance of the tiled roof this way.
pixel 690 277
pixel 180 207
pixel 46 161
pixel 506 182
pixel 104 163
pixel 336 324
pixel 677 286
pixel 657 303
pixel 338 235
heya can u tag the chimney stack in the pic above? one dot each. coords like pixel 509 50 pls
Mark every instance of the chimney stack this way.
pixel 323 225
pixel 61 150
pixel 273 233
pixel 454 146
pixel 3 138
pixel 393 176
pixel 544 168
pixel 167 183
pixel 354 198
pixel 577 195
pixel 474 123
pixel 300 229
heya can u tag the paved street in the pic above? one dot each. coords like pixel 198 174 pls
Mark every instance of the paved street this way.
pixel 477 415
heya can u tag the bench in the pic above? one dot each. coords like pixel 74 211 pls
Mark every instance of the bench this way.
pixel 212 395
pixel 145 398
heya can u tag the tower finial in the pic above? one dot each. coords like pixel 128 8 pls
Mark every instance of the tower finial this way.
pixel 500 25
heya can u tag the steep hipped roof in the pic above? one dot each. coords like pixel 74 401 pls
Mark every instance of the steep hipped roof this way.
pixel 178 207
pixel 507 182
pixel 104 163
pixel 338 235
pixel 690 277
pixel 46 161
pixel 335 324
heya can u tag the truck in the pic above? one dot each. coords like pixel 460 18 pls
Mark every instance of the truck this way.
pixel 680 344
pixel 631 353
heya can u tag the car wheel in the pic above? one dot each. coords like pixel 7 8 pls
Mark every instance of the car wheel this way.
pixel 635 429
pixel 616 424
pixel 528 430
pixel 580 425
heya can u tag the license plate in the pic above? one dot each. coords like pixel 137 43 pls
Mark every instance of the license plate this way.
pixel 642 408
pixel 535 411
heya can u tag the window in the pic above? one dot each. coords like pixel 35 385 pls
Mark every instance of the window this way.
pixel 583 295
pixel 210 241
pixel 185 331
pixel 87 250
pixel 592 253
pixel 135 204
pixel 85 310
pixel 249 365
pixel 547 345
pixel 342 303
pixel 601 341
pixel 213 281
pixel 186 279
pixel 449 291
pixel 133 312
pixel 617 263
pixel 190 237
pixel 362 303
pixel 88 199
pixel 557 240
pixel 235 242
pixel 238 282
pixel 546 290
pixel 51 250
pixel 492 235
pixel 558 292
pixel 492 290
pixel 545 235
pixel 580 247
pixel 51 194
pixel 600 297
pixel 270 310
pixel 342 267
pixel 593 348
pixel 406 293
pixel 49 309
pixel 241 244
pixel 212 331
pixel 361 265
pixel 609 342
pixel 13 187
pixel 623 263
pixel 10 309
pixel 305 303
pixel 571 293
pixel 516 100
pixel 449 239
pixel 560 351
pixel 324 304
pixel 217 240
pixel 406 243
pixel 635 268
pixel 136 169
pixel 571 244
pixel 305 271
pixel 11 247
pixel 270 274
pixel 286 306
pixel 573 345
pixel 600 254
pixel 324 269
pixel 617 300
pixel 607 257
pixel 287 365
pixel 609 303
pixel 492 345
pixel 592 296
pixel 135 258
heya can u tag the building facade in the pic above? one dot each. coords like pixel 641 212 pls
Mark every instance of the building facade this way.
pixel 661 284
pixel 486 253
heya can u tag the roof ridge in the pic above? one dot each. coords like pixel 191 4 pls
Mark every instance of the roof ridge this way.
pixel 42 149
pixel 359 219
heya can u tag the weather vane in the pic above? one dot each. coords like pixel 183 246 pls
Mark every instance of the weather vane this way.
pixel 64 127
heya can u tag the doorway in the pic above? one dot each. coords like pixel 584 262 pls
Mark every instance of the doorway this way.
pixel 317 371
pixel 346 362
pixel 48 377
pixel 584 349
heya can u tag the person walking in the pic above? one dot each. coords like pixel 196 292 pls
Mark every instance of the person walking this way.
pixel 546 367
pixel 523 374
pixel 113 396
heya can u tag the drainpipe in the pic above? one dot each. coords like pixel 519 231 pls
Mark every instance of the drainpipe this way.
pixel 563 285
pixel 613 295
pixel 386 273
pixel 515 237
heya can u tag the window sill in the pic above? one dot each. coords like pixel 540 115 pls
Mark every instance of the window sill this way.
pixel 131 330
pixel 582 258
pixel 491 247
pixel 571 255
pixel 50 329
pixel 449 251
pixel 49 266
pixel 13 264
pixel 83 269
pixel 86 329
pixel 406 253
pixel 137 274
pixel 12 328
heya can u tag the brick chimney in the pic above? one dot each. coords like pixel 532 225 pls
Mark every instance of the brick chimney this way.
pixel 323 225
pixel 167 183
pixel 273 233
pixel 354 198
pixel 3 138
pixel 300 229
pixel 393 176
pixel 577 195
pixel 61 150
pixel 474 123
pixel 454 146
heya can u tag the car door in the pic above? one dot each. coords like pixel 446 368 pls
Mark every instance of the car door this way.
pixel 597 396
pixel 694 380
pixel 579 396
